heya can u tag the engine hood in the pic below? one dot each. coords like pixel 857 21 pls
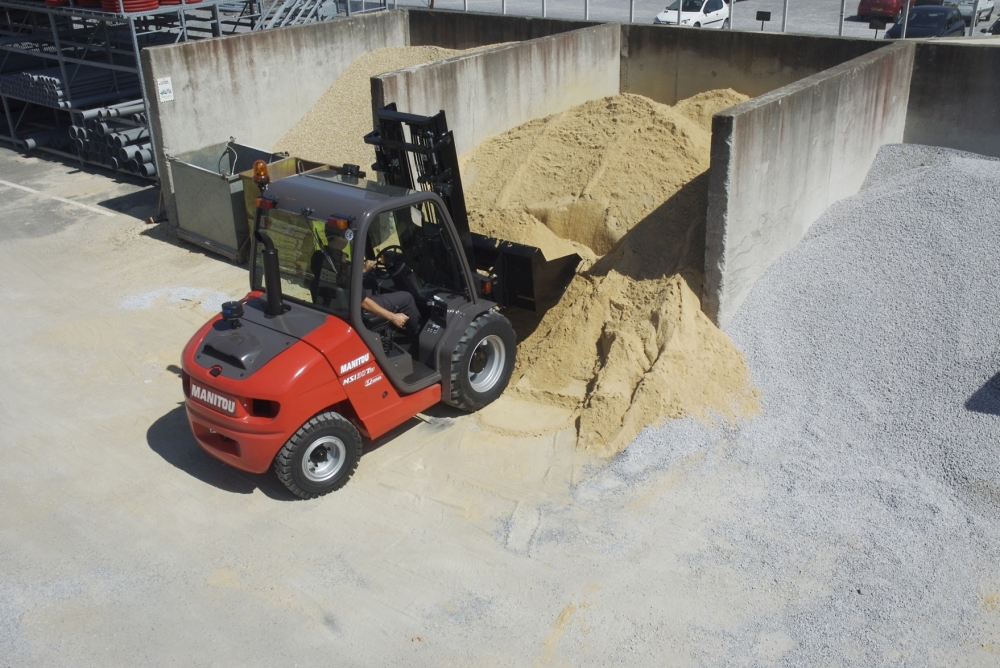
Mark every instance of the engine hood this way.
pixel 240 352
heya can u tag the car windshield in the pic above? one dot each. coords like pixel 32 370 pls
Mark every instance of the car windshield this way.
pixel 314 259
pixel 932 19
pixel 689 6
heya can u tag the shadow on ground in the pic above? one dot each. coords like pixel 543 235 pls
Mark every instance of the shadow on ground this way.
pixel 987 398
pixel 171 438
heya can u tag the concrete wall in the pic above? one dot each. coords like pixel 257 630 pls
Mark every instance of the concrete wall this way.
pixel 778 161
pixel 254 86
pixel 461 30
pixel 669 64
pixel 954 99
pixel 489 92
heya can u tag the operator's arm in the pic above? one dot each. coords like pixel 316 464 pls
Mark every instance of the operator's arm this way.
pixel 397 319
pixel 370 305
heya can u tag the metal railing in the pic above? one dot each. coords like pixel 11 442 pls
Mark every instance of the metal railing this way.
pixel 815 17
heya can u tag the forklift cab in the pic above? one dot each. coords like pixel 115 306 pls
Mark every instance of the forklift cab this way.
pixel 326 225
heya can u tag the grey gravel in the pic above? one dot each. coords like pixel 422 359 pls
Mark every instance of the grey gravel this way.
pixel 876 346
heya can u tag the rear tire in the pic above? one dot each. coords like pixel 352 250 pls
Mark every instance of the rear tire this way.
pixel 482 362
pixel 320 457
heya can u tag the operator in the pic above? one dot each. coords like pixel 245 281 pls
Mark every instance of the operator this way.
pixel 399 308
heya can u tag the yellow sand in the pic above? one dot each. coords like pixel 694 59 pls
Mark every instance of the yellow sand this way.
pixel 332 130
pixel 622 181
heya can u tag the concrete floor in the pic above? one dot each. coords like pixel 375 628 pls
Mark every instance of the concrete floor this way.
pixel 123 544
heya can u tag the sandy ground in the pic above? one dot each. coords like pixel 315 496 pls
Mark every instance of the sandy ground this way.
pixel 123 544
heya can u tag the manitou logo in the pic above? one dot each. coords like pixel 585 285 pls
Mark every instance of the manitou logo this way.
pixel 355 363
pixel 212 399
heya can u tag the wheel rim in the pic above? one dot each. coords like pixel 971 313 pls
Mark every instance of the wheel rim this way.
pixel 323 459
pixel 486 363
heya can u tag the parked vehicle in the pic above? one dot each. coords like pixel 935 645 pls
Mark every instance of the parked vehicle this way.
pixel 994 29
pixel 966 7
pixel 696 14
pixel 888 9
pixel 930 21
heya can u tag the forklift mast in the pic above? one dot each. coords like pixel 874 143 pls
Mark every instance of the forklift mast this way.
pixel 418 153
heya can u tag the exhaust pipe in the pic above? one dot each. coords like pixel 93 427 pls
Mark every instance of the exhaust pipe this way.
pixel 272 276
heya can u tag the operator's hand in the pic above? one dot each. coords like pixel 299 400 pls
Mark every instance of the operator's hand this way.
pixel 399 319
pixel 369 265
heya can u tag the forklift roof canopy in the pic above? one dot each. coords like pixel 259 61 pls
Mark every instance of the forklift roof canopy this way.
pixel 329 193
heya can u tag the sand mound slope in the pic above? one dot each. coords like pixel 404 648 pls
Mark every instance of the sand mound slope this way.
pixel 332 130
pixel 623 180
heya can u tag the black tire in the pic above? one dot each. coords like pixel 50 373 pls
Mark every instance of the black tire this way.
pixel 725 24
pixel 697 25
pixel 482 362
pixel 333 447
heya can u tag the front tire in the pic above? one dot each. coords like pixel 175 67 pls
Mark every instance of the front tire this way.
pixel 482 362
pixel 320 457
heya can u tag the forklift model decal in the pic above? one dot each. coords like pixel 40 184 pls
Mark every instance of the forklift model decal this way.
pixel 355 363
pixel 372 381
pixel 361 374
pixel 212 399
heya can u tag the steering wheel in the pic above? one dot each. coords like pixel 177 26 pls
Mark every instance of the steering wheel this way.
pixel 388 270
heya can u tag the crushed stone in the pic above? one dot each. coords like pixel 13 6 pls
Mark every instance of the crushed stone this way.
pixel 876 347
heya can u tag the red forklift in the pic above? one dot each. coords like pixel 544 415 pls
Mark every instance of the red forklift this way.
pixel 297 373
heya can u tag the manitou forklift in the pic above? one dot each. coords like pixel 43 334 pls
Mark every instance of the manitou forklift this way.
pixel 297 373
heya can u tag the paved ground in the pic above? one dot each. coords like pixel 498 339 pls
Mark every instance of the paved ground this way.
pixel 815 17
pixel 123 544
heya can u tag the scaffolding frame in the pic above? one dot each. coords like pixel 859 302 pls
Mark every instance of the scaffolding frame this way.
pixel 73 42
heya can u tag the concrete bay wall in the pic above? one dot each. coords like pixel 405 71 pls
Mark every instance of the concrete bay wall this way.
pixel 668 64
pixel 253 86
pixel 779 160
pixel 489 92
pixel 465 30
pixel 953 97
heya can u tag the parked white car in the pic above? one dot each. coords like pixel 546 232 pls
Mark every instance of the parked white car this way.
pixel 986 8
pixel 697 14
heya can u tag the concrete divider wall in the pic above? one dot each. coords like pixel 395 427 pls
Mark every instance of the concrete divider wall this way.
pixel 954 100
pixel 465 30
pixel 669 64
pixel 489 92
pixel 779 160
pixel 253 86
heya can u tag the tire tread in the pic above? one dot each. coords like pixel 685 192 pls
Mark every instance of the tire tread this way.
pixel 283 461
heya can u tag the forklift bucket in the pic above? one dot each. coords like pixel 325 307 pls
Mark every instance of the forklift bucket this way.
pixel 418 152
pixel 524 278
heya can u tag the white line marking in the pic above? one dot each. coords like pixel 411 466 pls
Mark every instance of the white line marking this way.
pixel 14 185
pixel 58 199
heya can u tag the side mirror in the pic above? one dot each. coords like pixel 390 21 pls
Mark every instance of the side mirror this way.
pixel 983 30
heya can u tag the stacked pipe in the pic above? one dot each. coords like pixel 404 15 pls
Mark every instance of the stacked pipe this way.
pixel 89 86
pixel 116 136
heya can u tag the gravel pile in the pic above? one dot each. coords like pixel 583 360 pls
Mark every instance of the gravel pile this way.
pixel 874 537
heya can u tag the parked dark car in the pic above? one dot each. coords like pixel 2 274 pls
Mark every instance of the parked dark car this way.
pixel 930 21
pixel 993 29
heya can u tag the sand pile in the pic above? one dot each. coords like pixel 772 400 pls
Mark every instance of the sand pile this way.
pixel 623 181
pixel 332 130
